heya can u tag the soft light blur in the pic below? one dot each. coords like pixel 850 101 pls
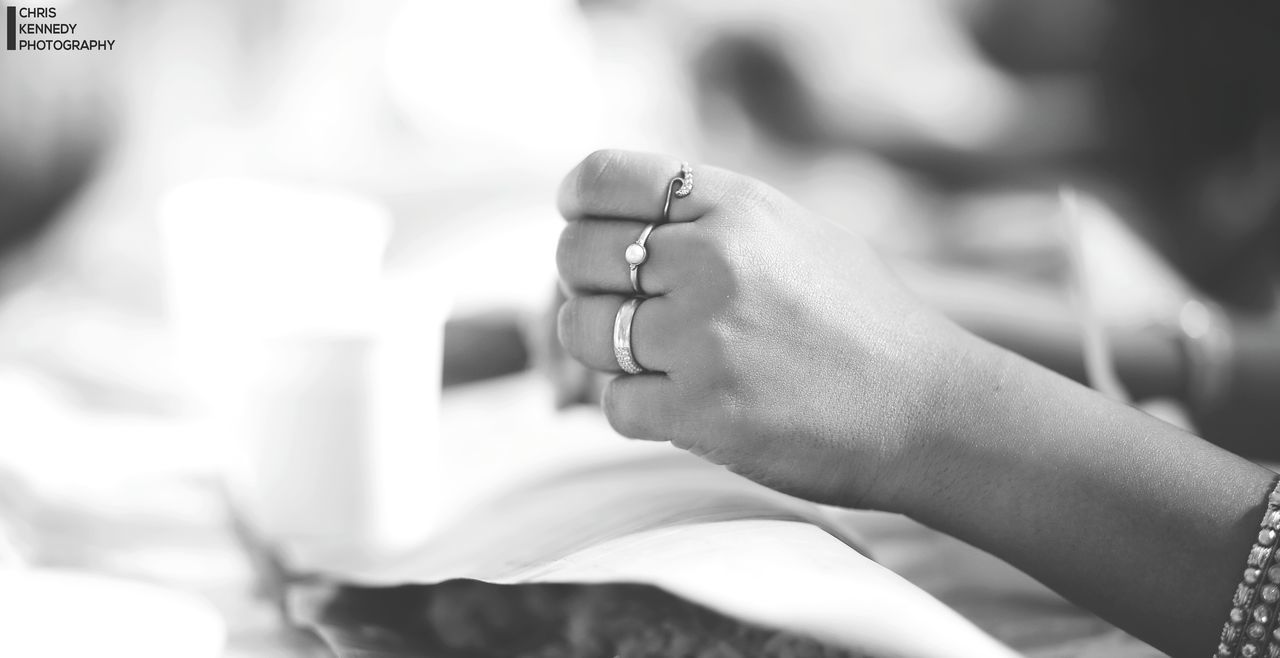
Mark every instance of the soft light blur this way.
pixel 254 169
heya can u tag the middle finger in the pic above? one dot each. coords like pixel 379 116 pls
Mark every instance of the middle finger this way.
pixel 591 256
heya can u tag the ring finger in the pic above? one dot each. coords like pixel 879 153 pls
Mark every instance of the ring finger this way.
pixel 586 331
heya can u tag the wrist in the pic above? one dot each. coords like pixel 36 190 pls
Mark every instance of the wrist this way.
pixel 942 452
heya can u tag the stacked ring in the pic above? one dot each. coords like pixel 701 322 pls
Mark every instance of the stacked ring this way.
pixel 680 186
pixel 636 255
pixel 622 337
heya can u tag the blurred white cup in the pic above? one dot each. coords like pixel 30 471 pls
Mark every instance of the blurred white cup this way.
pixel 320 373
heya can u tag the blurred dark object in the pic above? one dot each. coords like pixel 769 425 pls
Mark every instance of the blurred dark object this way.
pixel 472 619
pixel 59 114
pixel 1174 108
pixel 33 197
pixel 796 108
pixel 1191 114
pixel 56 119
pixel 483 346
pixel 1244 422
pixel 1037 37
pixel 1188 113
pixel 755 74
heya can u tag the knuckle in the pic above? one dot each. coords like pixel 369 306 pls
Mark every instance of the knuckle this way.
pixel 712 265
pixel 753 203
pixel 567 321
pixel 702 246
pixel 718 379
pixel 594 168
pixel 753 190
pixel 567 253
pixel 739 191
pixel 708 256
pixel 617 409
pixel 655 320
pixel 726 370
pixel 700 426
pixel 672 327
pixel 562 325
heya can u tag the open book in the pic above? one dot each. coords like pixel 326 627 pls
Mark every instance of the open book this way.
pixel 536 496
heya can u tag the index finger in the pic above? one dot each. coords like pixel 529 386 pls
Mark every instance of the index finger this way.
pixel 630 185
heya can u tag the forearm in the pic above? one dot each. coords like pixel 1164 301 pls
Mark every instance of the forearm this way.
pixel 1129 517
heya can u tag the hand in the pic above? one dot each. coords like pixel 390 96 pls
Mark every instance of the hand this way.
pixel 776 343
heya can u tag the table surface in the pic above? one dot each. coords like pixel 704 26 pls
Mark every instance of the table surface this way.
pixel 169 524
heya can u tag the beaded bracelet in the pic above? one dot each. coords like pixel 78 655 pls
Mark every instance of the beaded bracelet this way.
pixel 1251 630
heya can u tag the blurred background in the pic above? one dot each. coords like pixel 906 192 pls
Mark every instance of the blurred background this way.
pixel 940 129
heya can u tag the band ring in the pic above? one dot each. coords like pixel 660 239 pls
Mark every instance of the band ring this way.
pixel 622 336
pixel 637 253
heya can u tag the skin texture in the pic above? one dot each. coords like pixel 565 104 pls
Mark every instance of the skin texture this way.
pixel 808 346
pixel 782 349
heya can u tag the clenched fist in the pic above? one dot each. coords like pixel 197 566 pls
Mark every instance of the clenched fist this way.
pixel 771 340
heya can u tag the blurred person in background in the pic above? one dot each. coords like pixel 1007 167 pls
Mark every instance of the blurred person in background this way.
pixel 778 347
pixel 1186 114
pixel 1166 113
pixel 900 119
pixel 769 340
pixel 937 128
pixel 914 114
